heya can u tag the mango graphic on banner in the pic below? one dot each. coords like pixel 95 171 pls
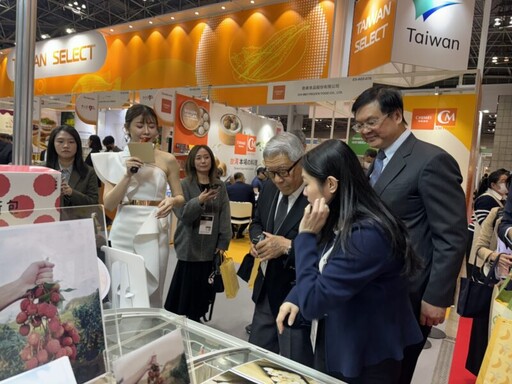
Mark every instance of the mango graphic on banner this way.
pixel 95 83
pixel 426 8
pixel 266 62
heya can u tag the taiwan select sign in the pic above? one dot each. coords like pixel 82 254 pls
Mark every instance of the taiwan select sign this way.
pixel 426 33
pixel 70 55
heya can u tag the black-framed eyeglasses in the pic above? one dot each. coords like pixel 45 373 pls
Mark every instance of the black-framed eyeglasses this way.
pixel 370 124
pixel 284 173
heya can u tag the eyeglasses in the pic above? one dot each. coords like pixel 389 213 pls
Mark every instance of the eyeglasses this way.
pixel 370 124
pixel 284 173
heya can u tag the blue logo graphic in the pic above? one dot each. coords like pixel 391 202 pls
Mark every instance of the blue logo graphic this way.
pixel 426 8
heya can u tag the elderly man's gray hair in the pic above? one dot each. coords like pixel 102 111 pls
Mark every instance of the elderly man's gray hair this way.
pixel 284 144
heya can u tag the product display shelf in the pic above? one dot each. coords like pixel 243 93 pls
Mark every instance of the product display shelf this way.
pixel 209 351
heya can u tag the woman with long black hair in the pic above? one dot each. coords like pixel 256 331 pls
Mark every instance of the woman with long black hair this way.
pixel 352 260
pixel 79 183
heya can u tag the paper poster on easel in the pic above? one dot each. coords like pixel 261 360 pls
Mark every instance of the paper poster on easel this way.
pixel 49 300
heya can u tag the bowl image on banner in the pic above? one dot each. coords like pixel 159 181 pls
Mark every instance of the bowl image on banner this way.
pixel 230 125
pixel 86 107
pixel 190 115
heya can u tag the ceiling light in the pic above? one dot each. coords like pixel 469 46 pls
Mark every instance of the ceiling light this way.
pixel 497 22
pixel 84 6
pixel 505 59
pixel 196 13
pixel 70 30
pixel 75 3
pixel 111 29
pixel 252 1
pixel 150 22
pixel 130 26
pixel 172 17
pixel 45 36
pixel 70 5
pixel 223 7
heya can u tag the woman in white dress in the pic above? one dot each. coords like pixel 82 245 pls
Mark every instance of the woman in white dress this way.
pixel 138 191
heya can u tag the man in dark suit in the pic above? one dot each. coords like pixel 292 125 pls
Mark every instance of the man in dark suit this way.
pixel 278 214
pixel 420 183
pixel 240 191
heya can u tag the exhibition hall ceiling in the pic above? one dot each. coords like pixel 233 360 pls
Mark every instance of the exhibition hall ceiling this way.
pixel 55 17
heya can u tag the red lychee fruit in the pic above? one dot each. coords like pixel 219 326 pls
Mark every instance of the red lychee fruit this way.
pixel 24 304
pixel 53 346
pixel 33 339
pixel 21 317
pixel 24 330
pixel 42 356
pixel 55 297
pixel 31 363
pixel 32 309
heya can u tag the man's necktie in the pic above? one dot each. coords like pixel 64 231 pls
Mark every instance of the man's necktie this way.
pixel 282 210
pixel 377 167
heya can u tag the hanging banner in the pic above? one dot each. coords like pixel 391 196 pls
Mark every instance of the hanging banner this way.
pixel 57 101
pixel 428 34
pixel 86 107
pixel 70 55
pixel 304 91
pixel 164 105
pixel 113 99
pixel 147 97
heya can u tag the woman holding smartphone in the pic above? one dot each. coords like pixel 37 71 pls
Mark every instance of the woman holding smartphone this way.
pixel 204 227
pixel 137 190
pixel 79 185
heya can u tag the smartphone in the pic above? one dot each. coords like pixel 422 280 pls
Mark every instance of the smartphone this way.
pixel 214 186
pixel 256 240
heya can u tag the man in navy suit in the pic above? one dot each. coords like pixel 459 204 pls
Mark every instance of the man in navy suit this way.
pixel 240 191
pixel 278 214
pixel 420 183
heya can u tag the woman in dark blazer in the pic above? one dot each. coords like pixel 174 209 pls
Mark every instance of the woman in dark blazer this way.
pixel 352 260
pixel 79 183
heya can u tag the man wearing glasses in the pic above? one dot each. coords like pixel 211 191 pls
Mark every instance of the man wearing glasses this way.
pixel 277 217
pixel 420 183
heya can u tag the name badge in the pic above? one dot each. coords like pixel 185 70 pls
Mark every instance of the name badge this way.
pixel 206 225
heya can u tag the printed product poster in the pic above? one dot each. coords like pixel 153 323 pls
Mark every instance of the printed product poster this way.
pixel 49 300
pixel 160 362
pixel 238 137
pixel 56 372
pixel 192 122
pixel 261 372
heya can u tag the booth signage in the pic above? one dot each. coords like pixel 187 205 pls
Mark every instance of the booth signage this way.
pixel 113 99
pixel 56 102
pixel 86 107
pixel 70 55
pixel 304 91
pixel 429 34
pixel 434 34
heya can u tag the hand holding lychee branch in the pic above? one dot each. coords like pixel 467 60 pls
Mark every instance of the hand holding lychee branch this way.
pixel 38 272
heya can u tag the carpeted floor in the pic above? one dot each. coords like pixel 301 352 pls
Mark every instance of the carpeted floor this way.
pixel 458 372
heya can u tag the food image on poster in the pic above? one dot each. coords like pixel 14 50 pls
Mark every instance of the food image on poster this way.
pixel 189 115
pixel 204 123
pixel 230 125
pixel 58 314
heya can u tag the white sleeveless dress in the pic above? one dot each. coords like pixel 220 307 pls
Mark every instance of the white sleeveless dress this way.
pixel 135 228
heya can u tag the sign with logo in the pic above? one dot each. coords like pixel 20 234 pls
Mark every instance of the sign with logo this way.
pixel 86 107
pixel 244 144
pixel 70 55
pixel 425 33
pixel 433 33
pixel 372 35
pixel 431 118
pixel 113 99
pixel 303 91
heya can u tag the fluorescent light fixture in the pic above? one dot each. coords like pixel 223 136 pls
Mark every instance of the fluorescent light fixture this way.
pixel 70 30
pixel 485 111
pixel 45 36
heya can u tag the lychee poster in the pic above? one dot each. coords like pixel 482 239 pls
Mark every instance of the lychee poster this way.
pixel 49 300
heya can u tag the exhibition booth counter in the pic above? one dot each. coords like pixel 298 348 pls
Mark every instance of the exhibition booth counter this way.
pixel 212 356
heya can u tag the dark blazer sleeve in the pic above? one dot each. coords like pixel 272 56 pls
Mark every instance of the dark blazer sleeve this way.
pixel 445 209
pixel 506 222
pixel 85 191
pixel 368 255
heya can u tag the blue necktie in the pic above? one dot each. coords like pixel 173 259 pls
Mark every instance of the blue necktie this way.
pixel 377 167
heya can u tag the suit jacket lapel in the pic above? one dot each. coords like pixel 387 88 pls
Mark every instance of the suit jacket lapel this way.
pixel 74 179
pixel 395 165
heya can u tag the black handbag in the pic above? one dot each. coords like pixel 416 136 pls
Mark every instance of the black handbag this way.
pixel 475 294
pixel 245 268
pixel 215 278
